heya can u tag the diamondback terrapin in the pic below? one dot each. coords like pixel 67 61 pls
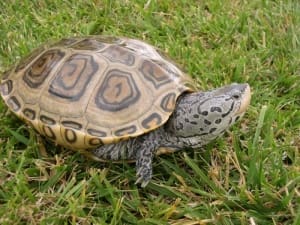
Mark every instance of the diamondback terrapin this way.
pixel 117 99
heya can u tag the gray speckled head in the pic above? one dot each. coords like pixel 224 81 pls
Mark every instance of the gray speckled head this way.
pixel 201 117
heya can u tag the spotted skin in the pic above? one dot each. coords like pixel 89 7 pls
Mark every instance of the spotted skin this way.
pixel 117 99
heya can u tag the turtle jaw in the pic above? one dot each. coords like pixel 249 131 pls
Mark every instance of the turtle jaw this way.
pixel 245 99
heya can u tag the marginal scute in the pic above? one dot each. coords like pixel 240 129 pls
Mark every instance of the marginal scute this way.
pixel 95 142
pixel 36 74
pixel 14 103
pixel 73 77
pixel 72 124
pixel 96 133
pixel 6 87
pixel 29 113
pixel 154 120
pixel 47 120
pixel 70 136
pixel 168 102
pixel 48 132
pixel 126 131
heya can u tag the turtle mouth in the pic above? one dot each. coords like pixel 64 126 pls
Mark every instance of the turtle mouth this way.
pixel 245 100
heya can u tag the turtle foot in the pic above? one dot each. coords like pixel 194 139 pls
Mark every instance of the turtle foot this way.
pixel 143 175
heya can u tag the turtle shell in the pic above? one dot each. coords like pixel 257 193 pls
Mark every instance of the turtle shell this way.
pixel 85 92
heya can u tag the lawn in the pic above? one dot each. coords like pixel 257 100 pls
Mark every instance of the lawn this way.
pixel 249 176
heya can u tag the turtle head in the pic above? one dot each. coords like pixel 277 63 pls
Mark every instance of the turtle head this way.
pixel 228 102
pixel 203 116
pixel 221 107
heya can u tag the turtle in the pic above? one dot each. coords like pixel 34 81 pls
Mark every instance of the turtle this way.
pixel 118 99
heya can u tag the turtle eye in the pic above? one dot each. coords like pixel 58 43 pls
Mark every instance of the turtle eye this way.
pixel 236 95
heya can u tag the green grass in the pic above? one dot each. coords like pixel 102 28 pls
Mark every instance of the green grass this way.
pixel 250 176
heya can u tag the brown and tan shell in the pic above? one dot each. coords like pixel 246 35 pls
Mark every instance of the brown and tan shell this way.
pixel 85 92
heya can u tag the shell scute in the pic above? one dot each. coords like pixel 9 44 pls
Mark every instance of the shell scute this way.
pixel 14 103
pixel 41 68
pixel 154 74
pixel 6 87
pixel 168 102
pixel 117 54
pixel 73 77
pixel 29 59
pixel 126 131
pixel 117 91
pixel 29 114
pixel 72 124
pixel 154 120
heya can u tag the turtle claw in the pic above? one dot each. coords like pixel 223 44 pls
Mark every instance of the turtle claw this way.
pixel 142 182
pixel 144 175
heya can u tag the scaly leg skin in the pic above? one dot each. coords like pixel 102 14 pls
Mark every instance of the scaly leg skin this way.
pixel 142 149
pixel 144 162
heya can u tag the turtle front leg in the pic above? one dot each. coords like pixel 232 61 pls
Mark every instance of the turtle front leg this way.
pixel 144 162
